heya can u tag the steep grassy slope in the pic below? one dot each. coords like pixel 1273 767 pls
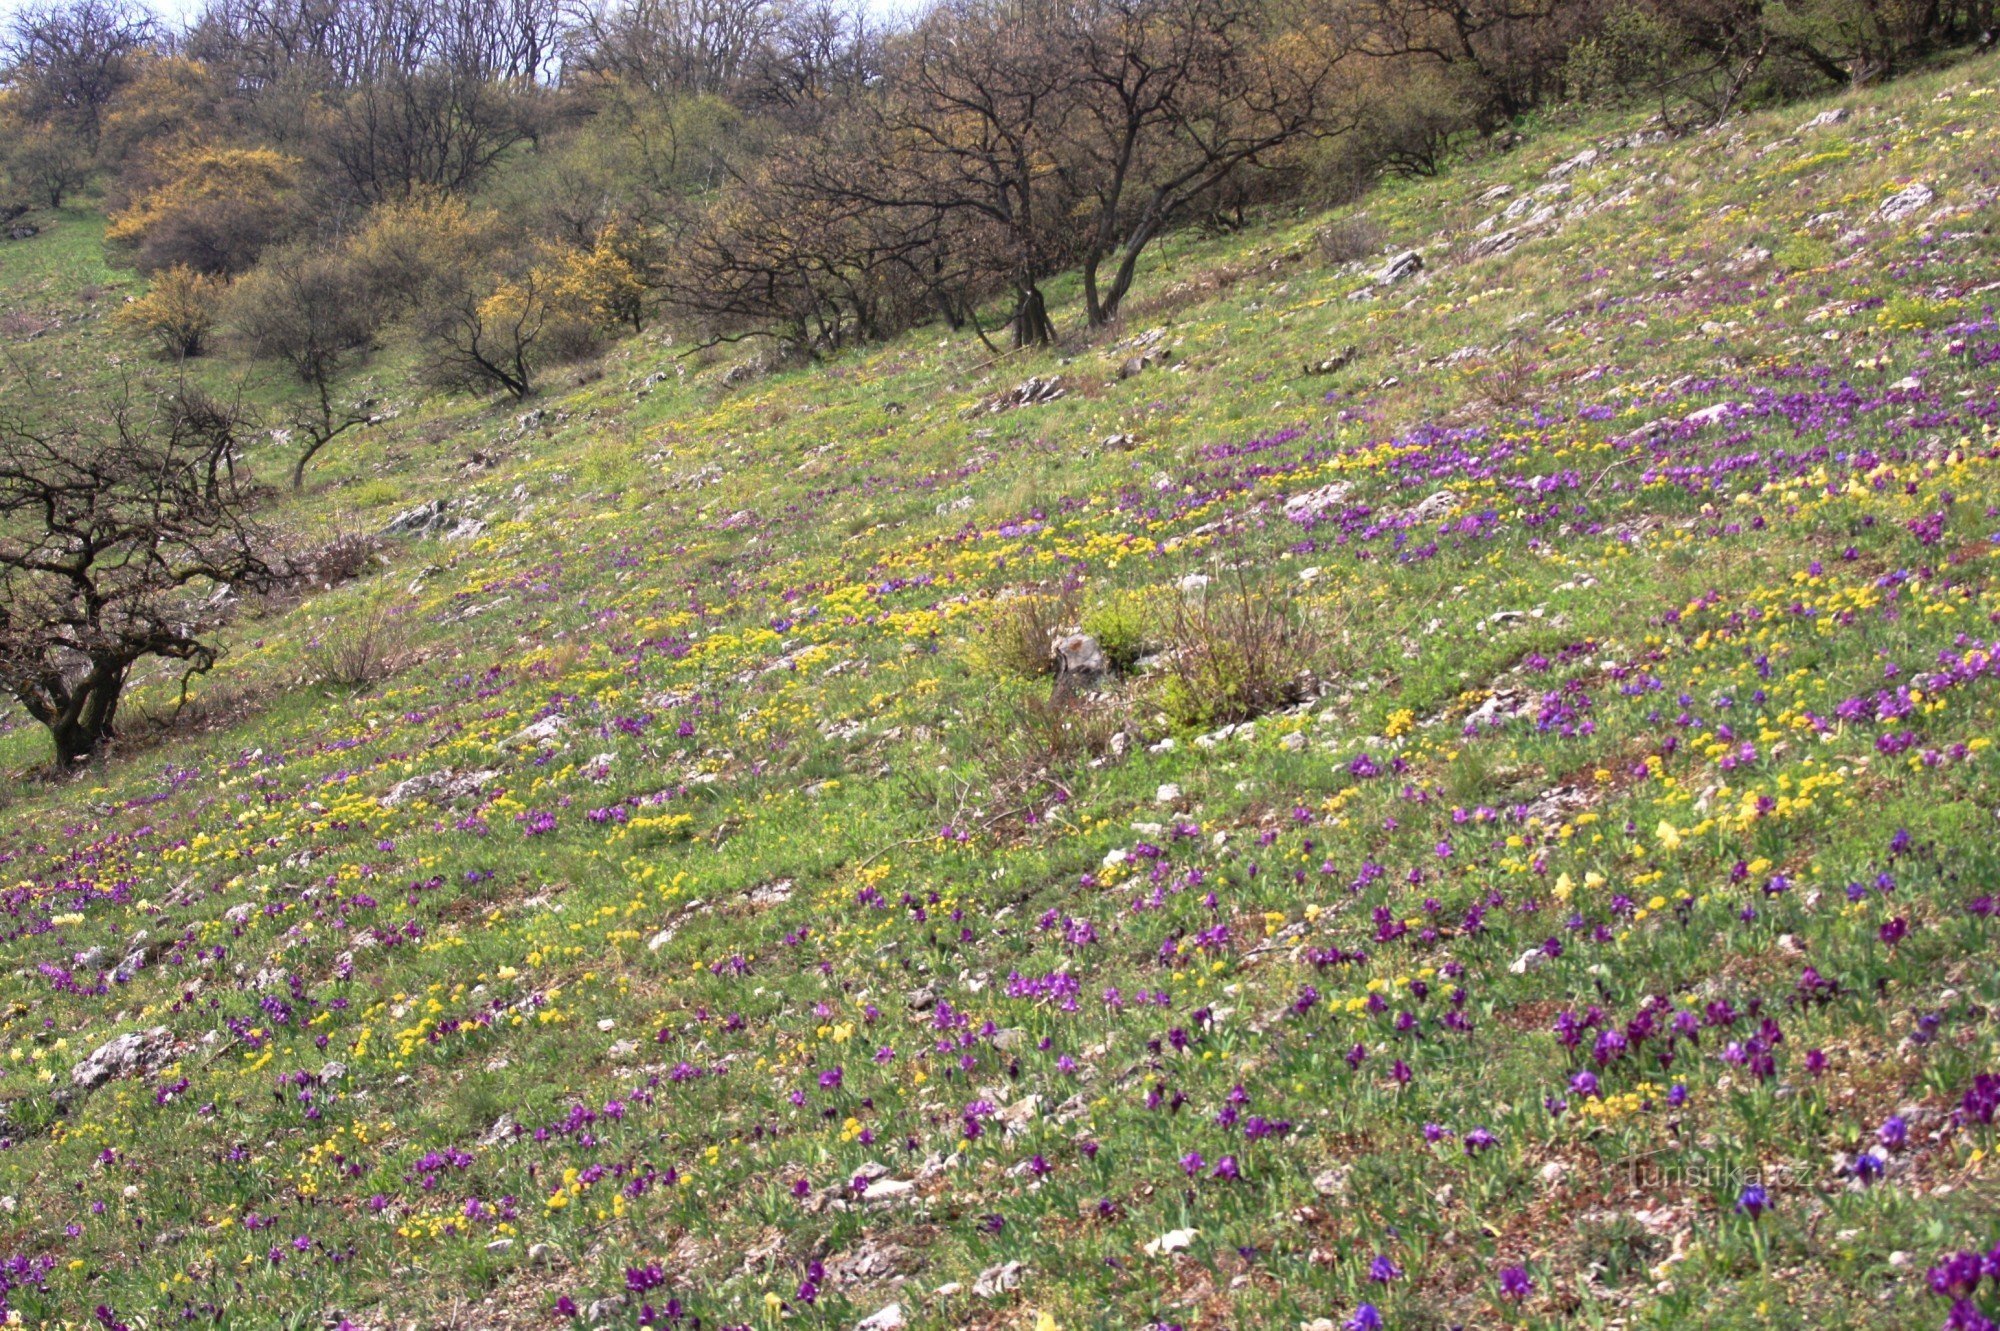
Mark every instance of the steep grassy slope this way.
pixel 705 922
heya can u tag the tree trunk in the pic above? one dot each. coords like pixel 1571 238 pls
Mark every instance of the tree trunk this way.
pixel 91 716
pixel 1128 268
pixel 299 463
pixel 1032 326
pixel 1094 309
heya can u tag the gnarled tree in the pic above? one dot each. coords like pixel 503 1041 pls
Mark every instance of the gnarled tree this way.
pixel 116 536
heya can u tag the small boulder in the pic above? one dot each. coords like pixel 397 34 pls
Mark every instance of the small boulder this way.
pixel 135 1051
pixel 997 1280
pixel 1500 242
pixel 1905 201
pixel 1434 507
pixel 1405 265
pixel 1080 663
pixel 1339 360
pixel 423 520
pixel 1313 503
pixel 1574 164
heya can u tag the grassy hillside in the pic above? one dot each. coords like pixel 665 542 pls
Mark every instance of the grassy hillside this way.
pixel 709 916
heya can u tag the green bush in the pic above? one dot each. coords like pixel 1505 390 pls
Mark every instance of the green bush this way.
pixel 1122 623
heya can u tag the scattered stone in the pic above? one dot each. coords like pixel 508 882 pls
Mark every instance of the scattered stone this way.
pixel 1577 163
pixel 1825 118
pixel 423 520
pixel 1167 795
pixel 1339 360
pixel 1146 350
pixel 887 1318
pixel 135 1051
pixel 1405 265
pixel 1500 242
pixel 1905 201
pixel 1434 507
pixel 1030 392
pixel 545 731
pixel 1313 503
pixel 997 1280
pixel 1332 1182
pixel 1080 663
pixel 1502 706
pixel 442 787
pixel 1531 960
pixel 1174 1240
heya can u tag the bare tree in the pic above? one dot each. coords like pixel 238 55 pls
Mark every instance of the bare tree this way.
pixel 475 340
pixel 71 58
pixel 310 309
pixel 673 46
pixel 776 255
pixel 1173 99
pixel 434 127
pixel 972 104
pixel 120 533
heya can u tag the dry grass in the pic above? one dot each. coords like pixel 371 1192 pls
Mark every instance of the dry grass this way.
pixel 362 655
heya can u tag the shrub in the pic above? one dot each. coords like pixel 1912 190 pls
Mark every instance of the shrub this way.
pixel 411 252
pixel 44 162
pixel 359 655
pixel 1348 240
pixel 309 307
pixel 1016 634
pixel 599 287
pixel 1235 652
pixel 211 209
pixel 477 343
pixel 342 559
pixel 178 310
pixel 1122 623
